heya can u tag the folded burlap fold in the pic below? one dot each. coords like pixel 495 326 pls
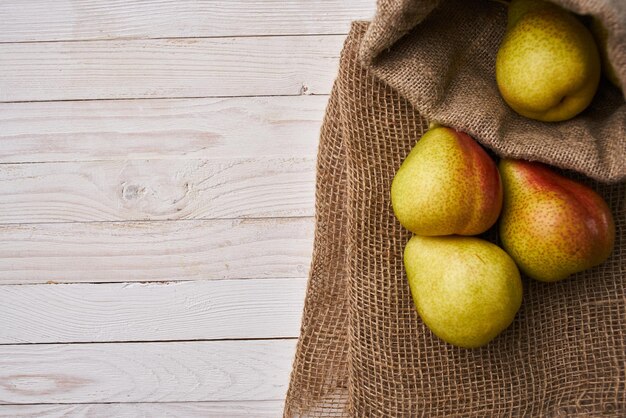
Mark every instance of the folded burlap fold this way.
pixel 364 352
pixel 440 55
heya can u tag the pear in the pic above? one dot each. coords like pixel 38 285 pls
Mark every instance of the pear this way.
pixel 466 290
pixel 447 185
pixel 548 66
pixel 552 226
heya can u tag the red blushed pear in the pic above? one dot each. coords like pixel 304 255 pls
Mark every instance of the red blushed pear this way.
pixel 447 185
pixel 552 226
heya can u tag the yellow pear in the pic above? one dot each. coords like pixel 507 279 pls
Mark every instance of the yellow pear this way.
pixel 466 290
pixel 447 185
pixel 548 66
pixel 552 226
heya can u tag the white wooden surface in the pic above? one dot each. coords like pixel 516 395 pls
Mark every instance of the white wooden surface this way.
pixel 232 409
pixel 170 68
pixel 210 129
pixel 145 372
pixel 157 167
pixel 190 310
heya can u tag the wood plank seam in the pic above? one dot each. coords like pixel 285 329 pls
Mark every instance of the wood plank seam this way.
pixel 190 340
pixel 167 38
pixel 302 92
pixel 216 409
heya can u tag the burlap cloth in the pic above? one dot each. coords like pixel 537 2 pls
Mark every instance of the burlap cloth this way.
pixel 363 351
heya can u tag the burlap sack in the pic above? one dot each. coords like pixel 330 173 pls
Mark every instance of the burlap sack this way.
pixel 363 350
pixel 445 66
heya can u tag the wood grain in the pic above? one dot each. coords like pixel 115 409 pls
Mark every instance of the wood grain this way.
pixel 169 68
pixel 230 409
pixel 145 372
pixel 107 187
pixel 155 250
pixel 53 20
pixel 230 128
pixel 233 409
pixel 197 310
pixel 156 190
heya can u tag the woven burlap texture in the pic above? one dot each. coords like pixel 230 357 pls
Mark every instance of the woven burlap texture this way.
pixel 440 55
pixel 364 352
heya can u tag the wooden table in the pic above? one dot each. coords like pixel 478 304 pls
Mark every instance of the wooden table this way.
pixel 157 167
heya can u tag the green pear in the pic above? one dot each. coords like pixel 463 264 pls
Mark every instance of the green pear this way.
pixel 547 67
pixel 447 185
pixel 466 290
pixel 601 35
pixel 552 226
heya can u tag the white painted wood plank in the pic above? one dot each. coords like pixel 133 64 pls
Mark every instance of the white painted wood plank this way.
pixel 244 127
pixel 169 68
pixel 156 190
pixel 145 372
pixel 54 20
pixel 196 310
pixel 155 250
pixel 224 409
